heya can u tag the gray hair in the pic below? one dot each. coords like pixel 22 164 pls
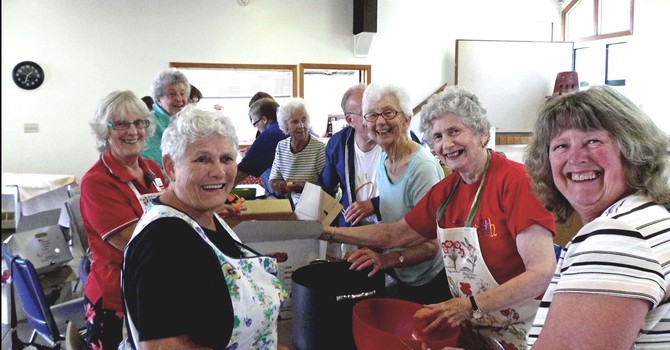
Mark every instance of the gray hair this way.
pixel 286 110
pixel 643 145
pixel 165 79
pixel 360 88
pixel 375 91
pixel 118 103
pixel 191 125
pixel 457 101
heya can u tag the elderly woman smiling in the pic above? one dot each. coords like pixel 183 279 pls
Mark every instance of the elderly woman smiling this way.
pixel 405 173
pixel 113 196
pixel 170 90
pixel 299 158
pixel 495 238
pixel 188 281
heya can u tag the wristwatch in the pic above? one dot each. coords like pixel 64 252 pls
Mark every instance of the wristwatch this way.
pixel 401 258
pixel 476 313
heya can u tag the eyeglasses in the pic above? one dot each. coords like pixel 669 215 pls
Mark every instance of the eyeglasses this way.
pixel 124 125
pixel 387 115
pixel 253 123
pixel 351 114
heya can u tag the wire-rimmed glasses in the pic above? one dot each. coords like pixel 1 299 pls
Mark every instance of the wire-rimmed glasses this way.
pixel 124 125
pixel 387 115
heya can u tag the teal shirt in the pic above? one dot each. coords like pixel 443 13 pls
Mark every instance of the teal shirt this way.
pixel 152 146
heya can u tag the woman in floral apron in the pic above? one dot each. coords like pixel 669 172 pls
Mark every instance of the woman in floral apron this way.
pixel 188 281
pixel 495 237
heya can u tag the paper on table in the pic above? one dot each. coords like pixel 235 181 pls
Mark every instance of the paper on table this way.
pixel 315 204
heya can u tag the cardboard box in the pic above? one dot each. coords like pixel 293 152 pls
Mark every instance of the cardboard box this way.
pixel 298 239
pixel 271 226
pixel 264 210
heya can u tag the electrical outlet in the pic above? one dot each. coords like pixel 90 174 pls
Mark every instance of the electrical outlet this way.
pixel 30 128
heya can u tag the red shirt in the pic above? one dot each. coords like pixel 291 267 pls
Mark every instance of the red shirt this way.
pixel 108 204
pixel 507 207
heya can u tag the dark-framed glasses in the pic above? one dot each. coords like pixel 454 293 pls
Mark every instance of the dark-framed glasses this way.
pixel 387 115
pixel 351 114
pixel 253 123
pixel 124 125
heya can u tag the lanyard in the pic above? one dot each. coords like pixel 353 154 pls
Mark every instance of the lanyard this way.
pixel 475 203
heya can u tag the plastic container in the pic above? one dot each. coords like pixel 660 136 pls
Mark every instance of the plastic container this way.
pixel 388 324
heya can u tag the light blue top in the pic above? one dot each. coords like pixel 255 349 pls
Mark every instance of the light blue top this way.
pixel 396 199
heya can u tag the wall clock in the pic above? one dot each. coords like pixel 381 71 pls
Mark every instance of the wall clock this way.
pixel 28 75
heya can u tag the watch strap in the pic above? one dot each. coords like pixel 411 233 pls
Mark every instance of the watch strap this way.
pixel 476 312
pixel 473 303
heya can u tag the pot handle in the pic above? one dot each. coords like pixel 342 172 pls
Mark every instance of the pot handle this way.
pixel 355 296
pixel 318 261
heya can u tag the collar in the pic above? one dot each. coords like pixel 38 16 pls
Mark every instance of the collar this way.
pixel 160 112
pixel 119 171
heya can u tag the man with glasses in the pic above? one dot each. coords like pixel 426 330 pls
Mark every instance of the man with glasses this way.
pixel 259 157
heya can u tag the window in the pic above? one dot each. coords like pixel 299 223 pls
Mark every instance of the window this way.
pixel 326 83
pixel 597 27
pixel 232 86
pixel 617 64
pixel 597 19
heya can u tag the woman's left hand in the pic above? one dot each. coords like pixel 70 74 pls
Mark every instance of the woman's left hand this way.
pixel 358 211
pixel 364 257
pixel 295 186
pixel 447 313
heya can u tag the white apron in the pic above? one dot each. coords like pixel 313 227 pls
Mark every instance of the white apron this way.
pixel 468 275
pixel 145 199
pixel 255 291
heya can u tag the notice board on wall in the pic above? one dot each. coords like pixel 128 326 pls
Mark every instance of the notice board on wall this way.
pixel 511 78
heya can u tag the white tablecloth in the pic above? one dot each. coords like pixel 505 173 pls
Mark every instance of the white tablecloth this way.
pixel 38 192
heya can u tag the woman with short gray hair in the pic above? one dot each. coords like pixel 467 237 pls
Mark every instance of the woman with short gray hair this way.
pixel 113 194
pixel 170 90
pixel 230 295
pixel 299 158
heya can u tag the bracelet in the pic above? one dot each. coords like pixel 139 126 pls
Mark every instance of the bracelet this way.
pixel 332 234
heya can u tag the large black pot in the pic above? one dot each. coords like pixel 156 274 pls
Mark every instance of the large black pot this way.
pixel 323 297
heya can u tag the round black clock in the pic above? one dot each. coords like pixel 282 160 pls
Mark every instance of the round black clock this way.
pixel 28 75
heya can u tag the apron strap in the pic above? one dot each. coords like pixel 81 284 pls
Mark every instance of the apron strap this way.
pixel 475 203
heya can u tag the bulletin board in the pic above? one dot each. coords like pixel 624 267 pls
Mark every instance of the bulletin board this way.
pixel 511 78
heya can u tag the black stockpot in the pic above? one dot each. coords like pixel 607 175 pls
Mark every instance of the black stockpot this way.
pixel 323 297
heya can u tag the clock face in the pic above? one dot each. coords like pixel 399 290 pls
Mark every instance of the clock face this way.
pixel 28 75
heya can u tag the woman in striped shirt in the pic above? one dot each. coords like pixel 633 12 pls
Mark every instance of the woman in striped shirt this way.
pixel 595 153
pixel 301 157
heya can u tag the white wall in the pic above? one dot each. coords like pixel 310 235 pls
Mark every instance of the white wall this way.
pixel 91 47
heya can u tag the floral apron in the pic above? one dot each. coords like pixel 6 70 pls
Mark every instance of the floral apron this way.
pixel 255 291
pixel 468 275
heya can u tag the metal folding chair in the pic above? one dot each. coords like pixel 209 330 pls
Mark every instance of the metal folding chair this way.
pixel 26 284
pixel 77 230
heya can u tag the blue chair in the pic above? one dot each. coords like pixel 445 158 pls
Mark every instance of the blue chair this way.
pixel 26 284
pixel 557 250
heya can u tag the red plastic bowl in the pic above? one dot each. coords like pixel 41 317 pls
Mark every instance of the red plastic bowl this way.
pixel 387 324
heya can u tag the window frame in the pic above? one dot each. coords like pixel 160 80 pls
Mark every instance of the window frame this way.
pixel 243 66
pixel 597 19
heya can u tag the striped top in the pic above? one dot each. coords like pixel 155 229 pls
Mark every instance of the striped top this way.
pixel 623 253
pixel 304 166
